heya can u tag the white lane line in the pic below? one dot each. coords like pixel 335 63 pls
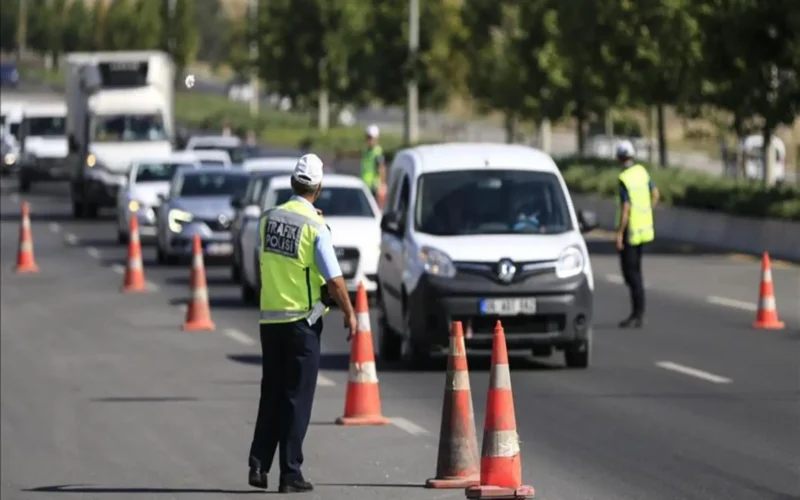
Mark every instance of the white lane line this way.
pixel 70 238
pixel 238 336
pixel 118 268
pixel 736 304
pixel 693 372
pixel 408 426
pixel 54 227
pixel 182 307
pixel 615 278
pixel 323 381
pixel 14 197
pixel 93 252
pixel 151 286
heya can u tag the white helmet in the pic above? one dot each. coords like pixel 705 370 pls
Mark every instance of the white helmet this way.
pixel 624 150
pixel 373 131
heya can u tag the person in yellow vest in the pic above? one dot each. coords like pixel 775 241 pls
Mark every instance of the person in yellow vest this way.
pixel 299 275
pixel 373 165
pixel 637 197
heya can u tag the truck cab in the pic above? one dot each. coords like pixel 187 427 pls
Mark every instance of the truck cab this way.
pixel 120 108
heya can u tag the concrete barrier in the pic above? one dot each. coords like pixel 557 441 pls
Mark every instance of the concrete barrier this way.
pixel 711 229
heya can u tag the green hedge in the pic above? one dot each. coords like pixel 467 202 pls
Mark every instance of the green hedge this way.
pixel 690 189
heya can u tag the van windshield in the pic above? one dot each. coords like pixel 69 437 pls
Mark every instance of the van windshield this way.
pixel 47 126
pixel 491 202
pixel 128 128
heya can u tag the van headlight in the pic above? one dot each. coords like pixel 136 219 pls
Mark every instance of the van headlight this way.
pixel 570 263
pixel 436 262
pixel 134 206
pixel 176 218
pixel 9 159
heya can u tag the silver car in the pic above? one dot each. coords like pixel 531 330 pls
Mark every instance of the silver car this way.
pixel 198 202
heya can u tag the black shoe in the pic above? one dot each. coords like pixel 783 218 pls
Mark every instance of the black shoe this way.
pixel 295 485
pixel 632 322
pixel 257 478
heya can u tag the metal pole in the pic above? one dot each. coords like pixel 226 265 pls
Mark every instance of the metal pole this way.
pixel 253 19
pixel 411 132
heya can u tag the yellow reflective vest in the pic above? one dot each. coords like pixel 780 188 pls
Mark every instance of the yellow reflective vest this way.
pixel 290 280
pixel 640 222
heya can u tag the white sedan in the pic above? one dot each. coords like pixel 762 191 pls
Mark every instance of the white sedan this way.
pixel 147 178
pixel 351 213
pixel 213 157
pixel 269 163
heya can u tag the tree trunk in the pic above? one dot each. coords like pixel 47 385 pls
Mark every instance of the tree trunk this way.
pixel 662 136
pixel 580 124
pixel 511 127
pixel 738 128
pixel 323 111
pixel 652 137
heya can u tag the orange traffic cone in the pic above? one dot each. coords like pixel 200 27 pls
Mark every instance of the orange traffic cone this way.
pixel 26 264
pixel 767 316
pixel 363 402
pixel 501 464
pixel 134 269
pixel 198 314
pixel 457 465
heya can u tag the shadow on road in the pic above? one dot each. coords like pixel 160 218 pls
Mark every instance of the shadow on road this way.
pixel 210 281
pixel 79 488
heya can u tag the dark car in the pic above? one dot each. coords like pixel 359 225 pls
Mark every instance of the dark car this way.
pixel 9 77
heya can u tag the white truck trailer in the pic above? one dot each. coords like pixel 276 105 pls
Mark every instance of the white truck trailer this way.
pixel 120 107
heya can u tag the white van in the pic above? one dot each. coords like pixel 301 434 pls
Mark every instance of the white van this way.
pixel 477 233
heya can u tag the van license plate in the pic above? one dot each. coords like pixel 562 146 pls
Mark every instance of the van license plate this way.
pixel 219 249
pixel 508 307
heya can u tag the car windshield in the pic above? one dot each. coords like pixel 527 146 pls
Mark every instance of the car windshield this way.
pixel 491 202
pixel 128 128
pixel 336 202
pixel 213 163
pixel 214 184
pixel 237 153
pixel 51 126
pixel 158 172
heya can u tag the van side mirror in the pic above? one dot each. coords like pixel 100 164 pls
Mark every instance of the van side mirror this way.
pixel 252 212
pixel 587 220
pixel 392 223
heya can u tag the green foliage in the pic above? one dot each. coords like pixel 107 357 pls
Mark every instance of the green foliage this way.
pixel 686 188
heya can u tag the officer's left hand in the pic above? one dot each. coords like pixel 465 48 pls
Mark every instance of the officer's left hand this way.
pixel 620 241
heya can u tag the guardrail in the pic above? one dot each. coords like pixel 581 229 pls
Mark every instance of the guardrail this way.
pixel 710 229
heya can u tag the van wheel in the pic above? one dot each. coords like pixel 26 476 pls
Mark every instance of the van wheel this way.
pixel 578 354
pixel 248 293
pixel 24 185
pixel 416 354
pixel 236 273
pixel 77 209
pixel 390 344
pixel 91 211
pixel 122 238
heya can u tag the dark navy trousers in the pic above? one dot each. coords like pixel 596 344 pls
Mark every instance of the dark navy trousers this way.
pixel 290 363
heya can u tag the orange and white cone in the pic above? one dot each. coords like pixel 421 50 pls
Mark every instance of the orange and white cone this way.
pixel 362 404
pixel 501 462
pixel 457 465
pixel 134 269
pixel 26 264
pixel 767 315
pixel 198 313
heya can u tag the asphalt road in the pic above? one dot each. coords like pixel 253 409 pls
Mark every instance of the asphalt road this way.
pixel 103 396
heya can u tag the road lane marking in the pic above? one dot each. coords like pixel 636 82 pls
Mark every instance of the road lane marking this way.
pixel 118 268
pixel 182 307
pixel 239 336
pixel 151 286
pixel 693 372
pixel 323 381
pixel 14 197
pixel 736 304
pixel 93 252
pixel 54 227
pixel 408 426
pixel 615 278
pixel 70 238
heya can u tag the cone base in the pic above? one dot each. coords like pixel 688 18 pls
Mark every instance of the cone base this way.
pixel 769 325
pixel 134 288
pixel 199 326
pixel 497 492
pixel 369 420
pixel 30 269
pixel 453 483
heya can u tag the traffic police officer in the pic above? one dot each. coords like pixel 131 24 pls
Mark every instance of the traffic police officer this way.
pixel 634 221
pixel 373 166
pixel 297 261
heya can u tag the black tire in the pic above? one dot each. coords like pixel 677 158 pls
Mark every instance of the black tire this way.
pixel 161 258
pixel 390 344
pixel 91 210
pixel 24 185
pixel 578 354
pixel 249 295
pixel 416 354
pixel 236 273
pixel 122 238
pixel 78 210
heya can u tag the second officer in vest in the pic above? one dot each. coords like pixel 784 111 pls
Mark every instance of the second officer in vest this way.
pixel 299 275
pixel 637 197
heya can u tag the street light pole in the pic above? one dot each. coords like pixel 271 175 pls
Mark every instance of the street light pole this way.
pixel 411 132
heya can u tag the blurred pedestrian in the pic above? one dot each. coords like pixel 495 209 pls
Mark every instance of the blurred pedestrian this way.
pixel 226 128
pixel 637 197
pixel 299 276
pixel 373 165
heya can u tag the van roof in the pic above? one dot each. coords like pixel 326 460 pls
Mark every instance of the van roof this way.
pixel 469 156
pixel 45 109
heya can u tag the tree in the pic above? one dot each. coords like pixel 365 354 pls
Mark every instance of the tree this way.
pixel 184 34
pixel 43 26
pixel 74 35
pixel 8 25
pixel 119 32
pixel 147 29
pixel 238 43
pixel 97 25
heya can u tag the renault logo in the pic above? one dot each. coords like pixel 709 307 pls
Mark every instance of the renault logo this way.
pixel 223 220
pixel 506 270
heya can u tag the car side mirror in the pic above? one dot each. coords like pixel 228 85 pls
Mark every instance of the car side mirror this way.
pixel 252 212
pixel 162 197
pixel 391 223
pixel 587 220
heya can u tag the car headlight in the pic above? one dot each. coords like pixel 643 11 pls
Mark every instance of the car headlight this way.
pixel 176 218
pixel 134 206
pixel 436 262
pixel 570 263
pixel 91 160
pixel 9 159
